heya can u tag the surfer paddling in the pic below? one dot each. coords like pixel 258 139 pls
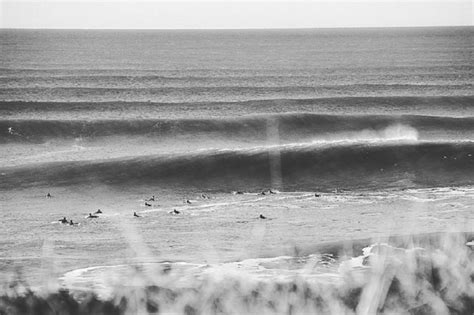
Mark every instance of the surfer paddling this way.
pixel 91 216
pixel 63 220
pixel 269 192
pixel 136 215
pixel 98 211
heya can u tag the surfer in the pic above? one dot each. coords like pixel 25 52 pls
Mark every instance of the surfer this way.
pixel 10 130
pixel 72 223
pixel 63 220
pixel 48 195
pixel 91 216
pixel 136 215
pixel 176 211
pixel 98 211
pixel 262 216
pixel 317 195
pixel 188 201
pixel 152 198
pixel 147 204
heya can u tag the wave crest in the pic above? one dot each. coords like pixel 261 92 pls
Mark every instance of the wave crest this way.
pixel 299 167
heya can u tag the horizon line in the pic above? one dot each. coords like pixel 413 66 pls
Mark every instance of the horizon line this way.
pixel 232 29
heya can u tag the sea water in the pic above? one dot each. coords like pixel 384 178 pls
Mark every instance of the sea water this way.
pixel 340 138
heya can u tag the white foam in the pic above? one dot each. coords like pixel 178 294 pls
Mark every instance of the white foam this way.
pixel 101 279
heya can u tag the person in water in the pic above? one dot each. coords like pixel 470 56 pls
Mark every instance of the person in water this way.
pixel 98 211
pixel 147 204
pixel 136 215
pixel 262 216
pixel 63 220
pixel 48 195
pixel 71 223
pixel 91 216
pixel 176 211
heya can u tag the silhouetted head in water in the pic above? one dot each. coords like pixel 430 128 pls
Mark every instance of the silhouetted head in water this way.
pixel 262 216
pixel 48 195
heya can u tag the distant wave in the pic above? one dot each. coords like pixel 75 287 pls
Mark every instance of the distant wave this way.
pixel 209 72
pixel 127 91
pixel 298 167
pixel 287 127
pixel 361 104
pixel 145 81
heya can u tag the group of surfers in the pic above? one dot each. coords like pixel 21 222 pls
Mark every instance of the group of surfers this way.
pixel 95 214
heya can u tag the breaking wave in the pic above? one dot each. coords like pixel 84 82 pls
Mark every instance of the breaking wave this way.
pixel 305 166
pixel 288 127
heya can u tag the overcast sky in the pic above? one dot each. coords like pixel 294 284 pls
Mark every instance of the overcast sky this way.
pixel 178 14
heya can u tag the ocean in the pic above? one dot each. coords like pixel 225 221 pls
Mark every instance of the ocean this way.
pixel 341 139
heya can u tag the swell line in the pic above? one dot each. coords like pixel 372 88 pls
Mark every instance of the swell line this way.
pixel 302 168
pixel 289 127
